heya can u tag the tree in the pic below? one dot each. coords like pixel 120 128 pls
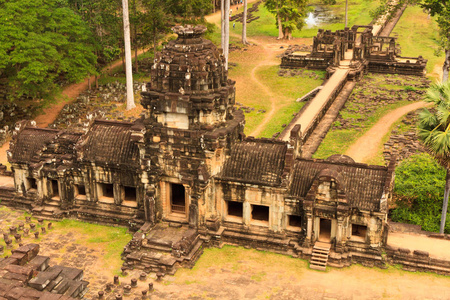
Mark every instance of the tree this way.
pixel 156 20
pixel 418 192
pixel 226 14
pixel 434 132
pixel 128 66
pixel 104 20
pixel 441 9
pixel 43 43
pixel 290 15
pixel 346 13
pixel 244 24
pixel 189 10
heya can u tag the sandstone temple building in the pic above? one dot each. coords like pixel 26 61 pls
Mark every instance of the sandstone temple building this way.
pixel 188 177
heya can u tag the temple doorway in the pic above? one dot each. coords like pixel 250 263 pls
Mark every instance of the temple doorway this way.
pixel 325 230
pixel 177 198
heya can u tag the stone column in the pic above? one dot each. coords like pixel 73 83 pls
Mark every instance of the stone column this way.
pixel 246 213
pixel 308 230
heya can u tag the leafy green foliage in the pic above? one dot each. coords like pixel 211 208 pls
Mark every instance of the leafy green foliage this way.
pixel 434 125
pixel 105 22
pixel 42 42
pixel 291 13
pixel 441 9
pixel 419 190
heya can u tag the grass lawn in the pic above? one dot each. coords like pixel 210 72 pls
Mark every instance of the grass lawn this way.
pixel 417 34
pixel 272 87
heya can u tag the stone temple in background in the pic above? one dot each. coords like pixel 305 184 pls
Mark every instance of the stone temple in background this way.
pixel 188 178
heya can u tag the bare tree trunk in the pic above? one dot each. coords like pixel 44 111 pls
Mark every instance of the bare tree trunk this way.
pixel 346 13
pixel 135 41
pixel 128 69
pixel 154 41
pixel 445 203
pixel 227 32
pixel 222 23
pixel 244 24
pixel 280 28
pixel 287 32
pixel 446 67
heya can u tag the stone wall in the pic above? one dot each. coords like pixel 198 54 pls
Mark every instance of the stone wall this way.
pixel 404 144
pixel 416 260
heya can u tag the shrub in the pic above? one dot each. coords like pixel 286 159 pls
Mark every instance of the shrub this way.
pixel 419 192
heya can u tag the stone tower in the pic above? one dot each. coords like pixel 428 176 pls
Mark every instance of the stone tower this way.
pixel 190 126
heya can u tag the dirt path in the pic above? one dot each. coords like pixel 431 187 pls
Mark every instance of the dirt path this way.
pixel 367 146
pixel 437 248
pixel 269 60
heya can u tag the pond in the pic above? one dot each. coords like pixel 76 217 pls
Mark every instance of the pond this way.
pixel 322 15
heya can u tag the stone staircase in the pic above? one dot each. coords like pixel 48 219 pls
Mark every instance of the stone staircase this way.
pixel 49 209
pixel 319 257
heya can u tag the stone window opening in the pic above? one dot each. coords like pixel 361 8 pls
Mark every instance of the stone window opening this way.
pixel 31 184
pixel 235 211
pixel 177 198
pixel 129 196
pixel 106 192
pixel 55 190
pixel 79 191
pixel 294 222
pixel 260 214
pixel 359 232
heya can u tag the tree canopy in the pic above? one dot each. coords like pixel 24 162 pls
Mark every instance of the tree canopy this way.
pixel 419 189
pixel 290 15
pixel 42 43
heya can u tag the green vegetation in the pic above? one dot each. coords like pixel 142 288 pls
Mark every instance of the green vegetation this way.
pixel 441 11
pixel 290 15
pixel 283 90
pixel 419 190
pixel 43 42
pixel 418 34
pixel 433 131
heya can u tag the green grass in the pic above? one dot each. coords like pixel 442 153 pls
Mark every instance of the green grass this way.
pixel 285 90
pixel 418 35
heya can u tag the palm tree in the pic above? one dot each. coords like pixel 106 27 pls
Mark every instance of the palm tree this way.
pixel 434 132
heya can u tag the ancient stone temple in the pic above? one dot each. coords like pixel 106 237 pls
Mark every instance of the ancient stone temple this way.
pixel 188 178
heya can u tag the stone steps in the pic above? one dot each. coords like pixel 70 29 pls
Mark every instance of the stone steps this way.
pixel 319 257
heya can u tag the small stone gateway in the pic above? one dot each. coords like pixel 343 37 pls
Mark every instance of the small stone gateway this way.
pixel 186 176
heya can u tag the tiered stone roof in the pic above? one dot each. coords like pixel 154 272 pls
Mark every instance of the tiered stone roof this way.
pixel 109 143
pixel 363 184
pixel 30 141
pixel 256 161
